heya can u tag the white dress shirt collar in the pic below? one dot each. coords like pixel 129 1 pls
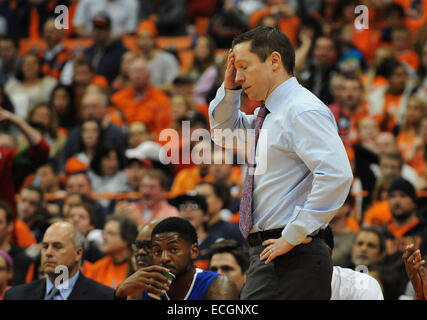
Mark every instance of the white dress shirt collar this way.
pixel 282 91
pixel 64 292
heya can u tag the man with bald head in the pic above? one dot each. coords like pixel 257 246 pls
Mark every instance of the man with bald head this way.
pixel 142 101
pixel 142 246
pixel 61 253
pixel 94 105
pixel 145 271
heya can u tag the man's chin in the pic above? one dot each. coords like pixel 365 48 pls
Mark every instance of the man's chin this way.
pixel 49 269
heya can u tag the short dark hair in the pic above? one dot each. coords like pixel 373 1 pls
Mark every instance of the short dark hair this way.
pixel 51 163
pixel 352 77
pixel 387 67
pixel 36 189
pixel 127 228
pixel 178 225
pixel 103 152
pixel 376 231
pixel 392 8
pixel 8 210
pixel 83 61
pixel 234 248
pixel 72 174
pixel 221 191
pixel 89 208
pixel 159 175
pixel 266 40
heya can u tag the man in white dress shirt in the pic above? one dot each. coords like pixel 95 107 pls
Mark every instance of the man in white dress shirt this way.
pixel 300 177
pixel 348 284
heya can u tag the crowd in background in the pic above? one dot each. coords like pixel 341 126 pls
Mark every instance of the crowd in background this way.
pixel 101 92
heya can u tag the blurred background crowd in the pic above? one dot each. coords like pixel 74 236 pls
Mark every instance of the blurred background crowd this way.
pixel 101 91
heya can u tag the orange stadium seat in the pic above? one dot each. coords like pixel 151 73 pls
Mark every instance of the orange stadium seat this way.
pixel 28 44
pixel 201 24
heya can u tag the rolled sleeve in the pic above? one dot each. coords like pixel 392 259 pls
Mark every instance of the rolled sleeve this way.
pixel 318 145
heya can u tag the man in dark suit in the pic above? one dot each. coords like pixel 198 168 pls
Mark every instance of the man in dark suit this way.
pixel 61 253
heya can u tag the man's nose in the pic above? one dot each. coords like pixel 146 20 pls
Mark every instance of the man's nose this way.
pixel 239 76
pixel 164 257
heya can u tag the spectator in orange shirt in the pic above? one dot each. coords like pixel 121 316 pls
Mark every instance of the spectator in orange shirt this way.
pixel 186 179
pixel 415 110
pixel 142 101
pixel 91 137
pixel 353 109
pixel 372 79
pixel 388 102
pixel 416 156
pixel 378 214
pixel 56 55
pixel 415 13
pixel 288 21
pixel 153 203
pixel 119 234
pixel 122 81
pixel 394 16
pixel 401 41
pixel 22 261
pixel 407 225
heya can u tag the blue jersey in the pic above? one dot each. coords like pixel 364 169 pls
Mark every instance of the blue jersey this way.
pixel 202 279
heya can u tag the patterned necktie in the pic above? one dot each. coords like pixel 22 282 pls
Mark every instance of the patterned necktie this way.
pixel 52 293
pixel 245 220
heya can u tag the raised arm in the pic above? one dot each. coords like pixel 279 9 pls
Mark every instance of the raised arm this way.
pixel 224 110
pixel 149 278
pixel 222 288
pixel 415 270
pixel 33 136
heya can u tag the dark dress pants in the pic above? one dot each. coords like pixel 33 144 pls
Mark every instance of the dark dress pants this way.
pixel 303 273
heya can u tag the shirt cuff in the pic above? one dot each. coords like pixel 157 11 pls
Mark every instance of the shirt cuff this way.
pixel 294 234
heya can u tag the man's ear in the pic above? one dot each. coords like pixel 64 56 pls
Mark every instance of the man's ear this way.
pixel 275 60
pixel 79 254
pixel 194 251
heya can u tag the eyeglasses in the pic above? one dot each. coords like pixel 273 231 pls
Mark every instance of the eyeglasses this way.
pixel 188 205
pixel 145 245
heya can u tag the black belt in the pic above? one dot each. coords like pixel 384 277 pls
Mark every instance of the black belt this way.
pixel 257 238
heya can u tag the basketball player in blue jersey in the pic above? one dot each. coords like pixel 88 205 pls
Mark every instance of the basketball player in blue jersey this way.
pixel 174 247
